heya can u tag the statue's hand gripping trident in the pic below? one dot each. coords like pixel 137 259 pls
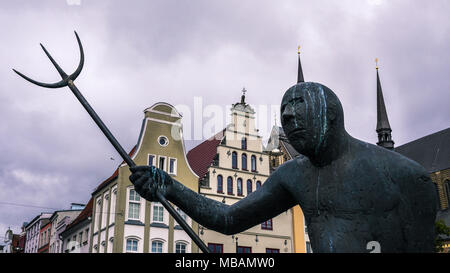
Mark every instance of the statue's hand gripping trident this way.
pixel 155 193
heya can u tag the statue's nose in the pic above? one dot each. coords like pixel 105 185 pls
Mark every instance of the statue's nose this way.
pixel 287 114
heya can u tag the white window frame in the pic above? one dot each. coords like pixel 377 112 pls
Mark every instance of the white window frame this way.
pixel 174 172
pixel 154 159
pixel 134 202
pixel 182 243
pixel 164 168
pixel 137 244
pixel 157 240
pixel 155 204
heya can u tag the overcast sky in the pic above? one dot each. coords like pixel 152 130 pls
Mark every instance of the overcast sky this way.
pixel 142 52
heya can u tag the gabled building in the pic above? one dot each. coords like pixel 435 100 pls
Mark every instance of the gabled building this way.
pixel 44 238
pixel 76 236
pixel 123 221
pixel 33 232
pixel 59 221
pixel 231 165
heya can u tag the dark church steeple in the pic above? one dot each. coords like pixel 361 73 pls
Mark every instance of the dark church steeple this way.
pixel 300 71
pixel 383 128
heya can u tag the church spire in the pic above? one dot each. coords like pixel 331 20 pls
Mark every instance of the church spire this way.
pixel 383 128
pixel 300 71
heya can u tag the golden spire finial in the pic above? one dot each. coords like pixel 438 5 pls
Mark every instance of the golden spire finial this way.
pixel 298 50
pixel 376 63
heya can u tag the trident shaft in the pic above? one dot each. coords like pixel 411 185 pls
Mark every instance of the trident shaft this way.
pixel 67 80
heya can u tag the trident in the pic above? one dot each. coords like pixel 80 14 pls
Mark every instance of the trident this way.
pixel 67 80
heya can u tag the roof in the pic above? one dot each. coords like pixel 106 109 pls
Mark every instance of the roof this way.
pixel 84 214
pixel 432 151
pixel 201 156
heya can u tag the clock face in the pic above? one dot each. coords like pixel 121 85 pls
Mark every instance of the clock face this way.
pixel 163 141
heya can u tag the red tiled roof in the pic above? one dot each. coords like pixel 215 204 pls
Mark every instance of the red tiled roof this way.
pixel 85 213
pixel 201 157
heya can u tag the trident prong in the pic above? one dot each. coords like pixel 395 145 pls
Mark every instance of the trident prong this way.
pixel 68 81
pixel 64 76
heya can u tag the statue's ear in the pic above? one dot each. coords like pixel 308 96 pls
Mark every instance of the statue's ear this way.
pixel 332 113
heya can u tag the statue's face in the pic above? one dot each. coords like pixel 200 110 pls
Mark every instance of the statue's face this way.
pixel 303 117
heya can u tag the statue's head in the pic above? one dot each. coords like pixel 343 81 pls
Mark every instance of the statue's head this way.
pixel 311 116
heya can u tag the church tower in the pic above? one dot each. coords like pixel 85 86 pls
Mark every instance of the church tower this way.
pixel 383 128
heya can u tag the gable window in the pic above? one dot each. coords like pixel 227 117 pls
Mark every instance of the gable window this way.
pixel 267 225
pixel 258 185
pixel 158 213
pixel 249 186
pixel 244 143
pixel 132 245
pixel 162 163
pixel 151 160
pixel 253 162
pixel 134 205
pixel 180 247
pixel 244 161
pixel 239 186
pixel 219 184
pixel 229 185
pixel 234 160
pixel 215 248
pixel 172 166
pixel 157 246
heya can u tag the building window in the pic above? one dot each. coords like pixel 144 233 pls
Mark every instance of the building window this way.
pixel 163 141
pixel 215 248
pixel 258 185
pixel 272 250
pixel 181 213
pixel 244 162
pixel 267 225
pixel 134 205
pixel 234 160
pixel 157 246
pixel 229 185
pixel 253 162
pixel 239 186
pixel 180 247
pixel 249 187
pixel 172 166
pixel 244 249
pixel 158 213
pixel 244 143
pixel 219 184
pixel 151 160
pixel 162 163
pixel 132 245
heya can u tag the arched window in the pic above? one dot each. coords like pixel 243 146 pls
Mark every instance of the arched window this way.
pixel 244 161
pixel 244 143
pixel 157 246
pixel 132 245
pixel 180 247
pixel 234 160
pixel 253 163
pixel 438 205
pixel 219 184
pixel 239 186
pixel 249 187
pixel 229 185
pixel 258 185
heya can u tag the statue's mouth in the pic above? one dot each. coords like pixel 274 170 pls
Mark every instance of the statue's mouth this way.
pixel 296 131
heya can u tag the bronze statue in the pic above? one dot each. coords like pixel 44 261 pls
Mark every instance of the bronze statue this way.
pixel 351 192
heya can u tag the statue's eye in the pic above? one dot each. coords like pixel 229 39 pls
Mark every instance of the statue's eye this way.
pixel 300 99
